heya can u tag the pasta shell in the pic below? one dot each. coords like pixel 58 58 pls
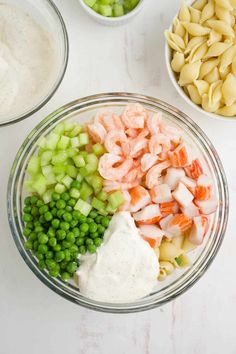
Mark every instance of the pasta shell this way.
pixel 233 66
pixel 202 86
pixel 221 27
pixel 199 4
pixel 217 49
pixel 233 3
pixel 207 66
pixel 177 62
pixel 209 106
pixel 186 38
pixel 195 15
pixel 178 28
pixel 193 42
pixel 217 91
pixel 207 12
pixel 197 53
pixel 227 58
pixel 214 37
pixel 189 73
pixel 229 90
pixel 175 41
pixel 224 3
pixel 224 73
pixel 184 14
pixel 223 14
pixel 212 76
pixel 195 29
pixel 194 94
pixel 228 111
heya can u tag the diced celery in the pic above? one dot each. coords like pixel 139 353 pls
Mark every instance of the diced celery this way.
pixel 75 193
pixel 182 261
pixel 116 199
pixel 69 126
pixel 52 140
pixel 79 177
pixel 40 184
pixel 98 204
pixel 71 171
pixel 105 10
pixel 60 188
pixel 92 159
pixel 59 177
pixel 42 142
pixel 63 143
pixel 29 186
pixel 47 196
pixel 83 171
pixel 95 7
pixel 59 158
pixel 129 5
pixel 59 169
pixel 83 139
pixel 90 3
pixel 89 179
pixel 77 129
pixel 97 183
pixel 51 179
pixel 85 191
pixel 60 128
pixel 102 196
pixel 72 152
pixel 110 209
pixel 75 142
pixel 33 165
pixel 67 180
pixel 46 157
pixel 98 149
pixel 103 212
pixel 83 207
pixel 118 10
pixel 79 161
pixel 83 153
pixel 47 170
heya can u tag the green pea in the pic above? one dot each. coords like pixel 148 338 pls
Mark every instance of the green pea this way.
pixel 54 212
pixel 54 273
pixel 84 227
pixel 43 209
pixel 42 249
pixel 98 219
pixel 61 204
pixel 41 219
pixel 40 203
pixel 40 256
pixel 49 255
pixel 92 248
pixel 75 184
pixel 65 196
pixel 82 250
pixel 76 214
pixel 67 217
pixel 69 208
pixel 59 256
pixel 93 227
pixel 101 229
pixel 64 226
pixel 97 241
pixel 55 196
pixel 70 237
pixel 89 241
pixel 60 213
pixel 33 236
pixel 71 267
pixel 65 276
pixel 61 234
pixel 93 214
pixel 74 249
pixel 79 241
pixel 66 244
pixel 51 232
pixel 28 245
pixel 74 223
pixel 82 234
pixel 51 264
pixel 72 202
pixel 82 219
pixel 63 265
pixel 48 216
pixel 105 221
pixel 76 231
pixel 27 201
pixel 27 217
pixel 55 223
pixel 43 239
pixel 33 200
pixel 38 229
pixel 52 204
pixel 27 209
pixel 41 264
pixel 67 255
pixel 35 245
pixel 34 211
pixel 52 241
pixel 57 248
pixel 26 232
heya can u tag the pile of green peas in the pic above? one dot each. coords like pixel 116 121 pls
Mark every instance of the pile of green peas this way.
pixel 57 234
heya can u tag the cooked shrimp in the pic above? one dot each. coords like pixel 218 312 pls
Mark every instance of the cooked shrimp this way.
pixel 134 116
pixel 195 170
pixel 109 120
pixel 159 144
pixel 110 186
pixel 139 198
pixel 132 133
pixel 147 161
pixel 179 224
pixel 152 234
pixel 199 230
pixel 114 141
pixel 126 205
pixel 173 133
pixel 180 156
pixel 155 172
pixel 153 123
pixel 97 132
pixel 204 188
pixel 108 171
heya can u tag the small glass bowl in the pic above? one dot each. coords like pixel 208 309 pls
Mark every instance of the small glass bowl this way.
pixel 82 110
pixel 48 16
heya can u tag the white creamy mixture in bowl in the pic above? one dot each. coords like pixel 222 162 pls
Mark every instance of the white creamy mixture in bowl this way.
pixel 33 57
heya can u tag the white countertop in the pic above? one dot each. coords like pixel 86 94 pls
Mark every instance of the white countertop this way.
pixel 33 319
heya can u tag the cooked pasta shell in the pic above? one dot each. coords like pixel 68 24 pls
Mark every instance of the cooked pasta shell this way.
pixel 223 14
pixel 207 66
pixel 224 73
pixel 202 86
pixel 194 42
pixel 178 28
pixel 221 27
pixel 212 98
pixel 212 76
pixel 208 11
pixel 177 62
pixel 228 111
pixel 233 66
pixel 216 49
pixel 199 4
pixel 197 53
pixel 184 13
pixel 175 41
pixel 214 37
pixel 186 38
pixel 195 29
pixel 233 3
pixel 195 15
pixel 189 73
pixel 217 91
pixel 229 89
pixel 227 58
pixel 224 3
pixel 194 94
pixel 207 105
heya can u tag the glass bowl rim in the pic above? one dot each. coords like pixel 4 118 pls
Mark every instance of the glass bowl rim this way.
pixel 60 75
pixel 115 97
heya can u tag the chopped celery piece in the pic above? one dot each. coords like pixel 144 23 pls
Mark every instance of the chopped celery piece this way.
pixel 105 10
pixel 83 153
pixel 59 158
pixel 46 157
pixel 85 191
pixel 71 152
pixel 40 184
pixel 63 143
pixel 116 199
pixel 90 3
pixel 67 180
pixel 89 179
pixel 79 161
pixel 110 209
pixel 105 2
pixel 34 165
pixel 79 177
pixel 71 171
pixel 75 193
pixel 102 196
pixel 47 170
pixel 97 183
pixel 129 5
pixel 182 261
pixel 60 188
pixel 84 172
pixel 83 139
pixel 77 129
pixel 75 142
pixel 103 212
pixel 98 149
pixel 47 196
pixel 69 126
pixel 60 128
pixel 59 169
pixel 83 207
pixel 118 10
pixel 95 7
pixel 91 159
pixel 60 177
pixel 52 140
pixel 29 186
pixel 42 142
pixel 98 204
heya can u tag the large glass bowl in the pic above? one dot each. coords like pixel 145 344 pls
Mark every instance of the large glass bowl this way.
pixel 46 14
pixel 83 110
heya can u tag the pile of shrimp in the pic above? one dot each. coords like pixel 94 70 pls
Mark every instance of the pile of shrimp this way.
pixel 164 188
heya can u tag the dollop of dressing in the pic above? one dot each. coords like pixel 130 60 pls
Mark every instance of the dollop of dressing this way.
pixel 124 268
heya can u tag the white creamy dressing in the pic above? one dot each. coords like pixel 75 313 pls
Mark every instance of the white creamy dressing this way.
pixel 124 268
pixel 27 61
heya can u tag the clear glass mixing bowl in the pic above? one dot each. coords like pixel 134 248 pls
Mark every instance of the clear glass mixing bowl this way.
pixel 82 110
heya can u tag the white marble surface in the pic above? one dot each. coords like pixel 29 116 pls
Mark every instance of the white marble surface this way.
pixel 33 320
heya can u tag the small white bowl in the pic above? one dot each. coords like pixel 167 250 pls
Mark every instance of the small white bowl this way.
pixel 112 21
pixel 168 53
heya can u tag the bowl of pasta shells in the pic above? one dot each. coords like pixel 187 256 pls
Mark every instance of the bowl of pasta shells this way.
pixel 201 56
